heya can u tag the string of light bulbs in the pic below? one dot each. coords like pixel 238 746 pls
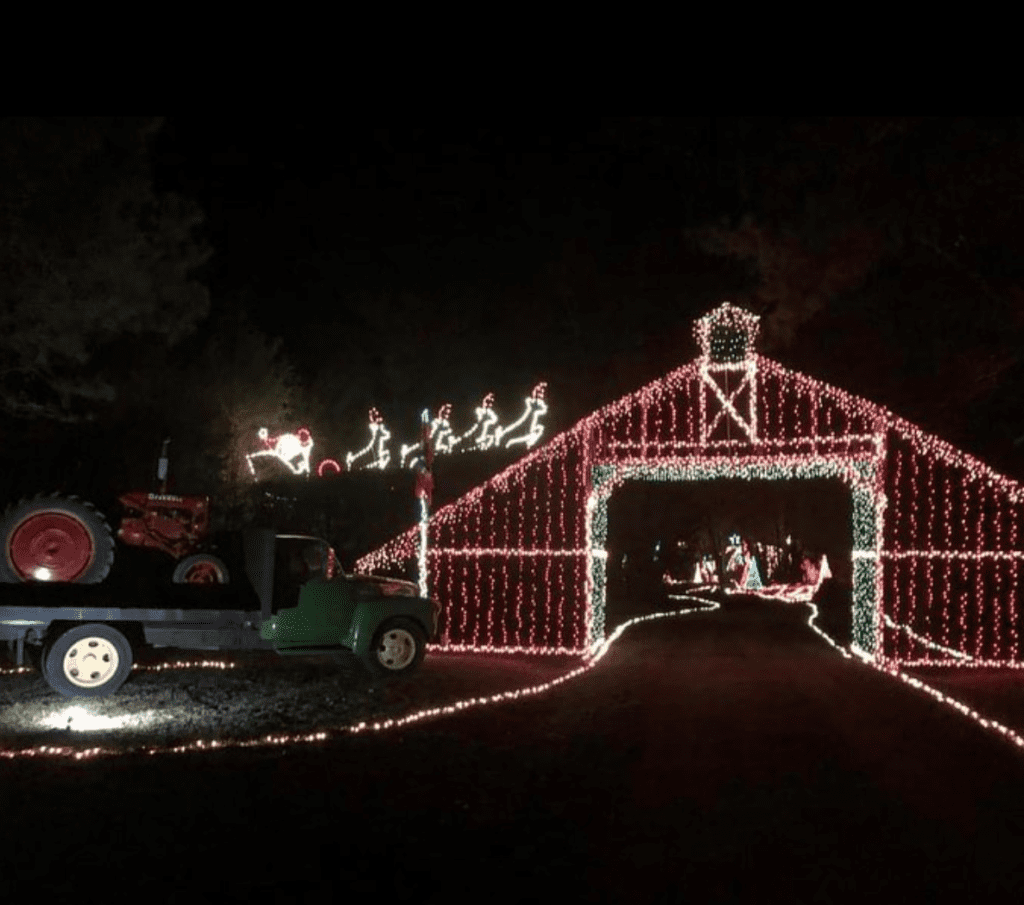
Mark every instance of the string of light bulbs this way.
pixel 909 529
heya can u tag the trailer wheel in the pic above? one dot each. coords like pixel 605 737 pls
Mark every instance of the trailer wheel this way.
pixel 54 538
pixel 201 568
pixel 88 661
pixel 397 649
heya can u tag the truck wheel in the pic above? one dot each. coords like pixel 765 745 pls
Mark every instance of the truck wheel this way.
pixel 201 568
pixel 397 649
pixel 54 538
pixel 88 661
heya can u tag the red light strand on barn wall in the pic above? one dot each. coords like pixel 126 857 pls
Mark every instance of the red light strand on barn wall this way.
pixel 1012 602
pixel 925 566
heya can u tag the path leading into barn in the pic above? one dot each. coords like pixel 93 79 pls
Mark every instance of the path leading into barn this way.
pixel 721 756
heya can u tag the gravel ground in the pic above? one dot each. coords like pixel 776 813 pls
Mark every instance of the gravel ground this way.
pixel 258 695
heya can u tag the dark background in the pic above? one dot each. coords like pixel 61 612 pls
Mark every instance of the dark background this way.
pixel 201 277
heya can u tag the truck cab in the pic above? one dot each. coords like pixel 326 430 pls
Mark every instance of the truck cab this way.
pixel 317 606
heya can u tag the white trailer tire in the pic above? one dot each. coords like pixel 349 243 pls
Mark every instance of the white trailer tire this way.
pixel 88 661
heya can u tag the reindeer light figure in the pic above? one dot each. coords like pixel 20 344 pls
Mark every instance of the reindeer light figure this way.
pixel 483 429
pixel 291 449
pixel 445 439
pixel 442 437
pixel 536 408
pixel 379 436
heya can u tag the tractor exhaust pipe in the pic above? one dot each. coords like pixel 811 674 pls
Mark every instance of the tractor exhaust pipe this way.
pixel 161 466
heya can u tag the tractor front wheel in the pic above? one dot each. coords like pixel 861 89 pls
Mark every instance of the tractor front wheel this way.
pixel 201 568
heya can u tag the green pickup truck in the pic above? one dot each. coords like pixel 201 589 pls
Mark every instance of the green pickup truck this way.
pixel 294 600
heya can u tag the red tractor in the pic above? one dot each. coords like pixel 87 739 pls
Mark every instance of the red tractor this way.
pixel 55 538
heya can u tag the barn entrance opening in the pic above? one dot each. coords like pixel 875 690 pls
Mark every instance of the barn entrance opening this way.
pixel 661 535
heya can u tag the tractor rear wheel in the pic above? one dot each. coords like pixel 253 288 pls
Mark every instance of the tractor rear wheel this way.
pixel 55 538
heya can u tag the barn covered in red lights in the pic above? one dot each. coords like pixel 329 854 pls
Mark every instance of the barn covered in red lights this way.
pixel 520 563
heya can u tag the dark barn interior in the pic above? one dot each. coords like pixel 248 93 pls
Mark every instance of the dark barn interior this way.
pixel 656 527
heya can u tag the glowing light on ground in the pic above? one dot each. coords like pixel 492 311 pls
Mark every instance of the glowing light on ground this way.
pixel 79 718
pixel 593 657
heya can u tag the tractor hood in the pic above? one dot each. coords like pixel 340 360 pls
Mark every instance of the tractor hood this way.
pixel 388 587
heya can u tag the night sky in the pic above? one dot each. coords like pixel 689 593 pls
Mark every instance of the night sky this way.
pixel 404 264
pixel 513 251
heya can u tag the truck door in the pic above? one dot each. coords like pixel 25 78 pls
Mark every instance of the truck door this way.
pixel 310 610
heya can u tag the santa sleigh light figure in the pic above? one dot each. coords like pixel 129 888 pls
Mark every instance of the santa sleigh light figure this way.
pixel 291 449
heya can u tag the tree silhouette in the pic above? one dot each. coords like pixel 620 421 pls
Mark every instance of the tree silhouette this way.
pixel 228 383
pixel 90 255
pixel 902 236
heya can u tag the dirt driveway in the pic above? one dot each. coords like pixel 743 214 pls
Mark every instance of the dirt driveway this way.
pixel 728 756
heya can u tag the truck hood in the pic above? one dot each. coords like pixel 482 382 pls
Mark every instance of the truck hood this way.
pixel 389 587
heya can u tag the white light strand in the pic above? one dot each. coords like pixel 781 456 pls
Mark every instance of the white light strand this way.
pixel 423 547
pixel 956 654
pixel 503 551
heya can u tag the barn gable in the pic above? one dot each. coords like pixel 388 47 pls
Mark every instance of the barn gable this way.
pixel 519 563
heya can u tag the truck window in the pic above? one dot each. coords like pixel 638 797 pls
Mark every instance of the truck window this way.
pixel 297 561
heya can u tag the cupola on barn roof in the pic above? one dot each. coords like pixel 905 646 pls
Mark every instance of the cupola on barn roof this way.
pixel 726 334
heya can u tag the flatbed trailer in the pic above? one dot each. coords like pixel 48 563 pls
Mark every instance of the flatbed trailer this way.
pixel 292 600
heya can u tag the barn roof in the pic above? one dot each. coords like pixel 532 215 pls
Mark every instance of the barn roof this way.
pixel 882 419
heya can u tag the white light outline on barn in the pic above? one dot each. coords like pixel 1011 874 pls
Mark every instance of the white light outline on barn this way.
pixel 748 381
pixel 859 475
